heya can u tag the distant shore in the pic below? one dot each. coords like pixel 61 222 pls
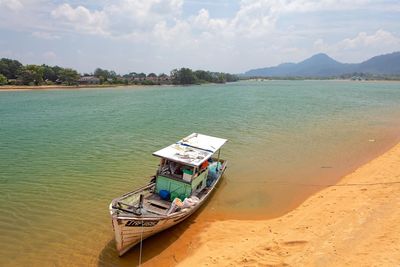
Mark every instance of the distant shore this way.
pixel 47 87
pixel 55 87
pixel 353 223
pixel 39 87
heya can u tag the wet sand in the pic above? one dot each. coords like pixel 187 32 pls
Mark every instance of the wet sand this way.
pixel 353 223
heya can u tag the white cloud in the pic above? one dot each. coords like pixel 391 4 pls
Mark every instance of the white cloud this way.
pixel 121 18
pixel 13 5
pixel 45 35
pixel 360 47
pixel 176 34
pixel 139 20
pixel 380 38
pixel 137 15
pixel 276 7
pixel 82 19
pixel 203 22
pixel 255 18
pixel 124 18
pixel 256 32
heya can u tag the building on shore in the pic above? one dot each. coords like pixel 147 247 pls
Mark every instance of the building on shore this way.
pixel 89 80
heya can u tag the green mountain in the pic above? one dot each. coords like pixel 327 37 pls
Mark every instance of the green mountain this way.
pixel 321 65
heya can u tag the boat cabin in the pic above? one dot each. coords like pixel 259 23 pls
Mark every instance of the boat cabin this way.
pixel 184 166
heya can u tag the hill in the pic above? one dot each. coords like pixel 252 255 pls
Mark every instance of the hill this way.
pixel 388 64
pixel 321 65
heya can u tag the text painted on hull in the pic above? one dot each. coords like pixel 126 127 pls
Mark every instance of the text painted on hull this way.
pixel 141 223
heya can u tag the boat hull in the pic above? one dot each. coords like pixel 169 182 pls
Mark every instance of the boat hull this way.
pixel 130 230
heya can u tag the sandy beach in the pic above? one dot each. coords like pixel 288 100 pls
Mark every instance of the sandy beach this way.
pixel 352 223
pixel 55 87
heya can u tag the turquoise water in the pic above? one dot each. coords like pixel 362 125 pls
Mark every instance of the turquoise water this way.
pixel 64 154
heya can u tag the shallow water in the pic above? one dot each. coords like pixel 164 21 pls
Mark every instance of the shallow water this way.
pixel 64 154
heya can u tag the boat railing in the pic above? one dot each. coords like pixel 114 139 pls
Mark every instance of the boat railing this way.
pixel 129 202
pixel 148 187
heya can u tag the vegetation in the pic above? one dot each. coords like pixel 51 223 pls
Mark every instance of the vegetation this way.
pixel 370 76
pixel 17 74
pixel 187 76
pixel 31 75
pixel 359 76
pixel 183 76
pixel 3 79
pixel 105 76
pixel 68 76
pixel 10 68
pixel 12 72
pixel 321 66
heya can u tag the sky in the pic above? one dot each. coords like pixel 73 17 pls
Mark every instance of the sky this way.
pixel 217 35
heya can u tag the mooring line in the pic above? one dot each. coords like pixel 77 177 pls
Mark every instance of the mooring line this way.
pixel 141 246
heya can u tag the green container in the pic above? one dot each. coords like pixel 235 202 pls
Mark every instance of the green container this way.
pixel 173 186
pixel 186 171
pixel 176 195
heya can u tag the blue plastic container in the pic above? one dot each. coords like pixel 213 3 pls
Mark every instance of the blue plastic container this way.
pixel 164 194
pixel 213 170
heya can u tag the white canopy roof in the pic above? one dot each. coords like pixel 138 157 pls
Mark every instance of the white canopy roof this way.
pixel 192 150
pixel 204 142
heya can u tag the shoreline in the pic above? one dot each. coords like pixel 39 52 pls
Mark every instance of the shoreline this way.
pixel 6 88
pixel 55 87
pixel 353 222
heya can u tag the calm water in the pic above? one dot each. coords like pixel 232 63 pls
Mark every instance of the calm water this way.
pixel 64 154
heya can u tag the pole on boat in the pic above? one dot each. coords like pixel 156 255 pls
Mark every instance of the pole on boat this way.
pixel 219 152
pixel 140 204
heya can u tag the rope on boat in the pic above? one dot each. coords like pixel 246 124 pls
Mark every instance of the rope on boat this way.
pixel 141 246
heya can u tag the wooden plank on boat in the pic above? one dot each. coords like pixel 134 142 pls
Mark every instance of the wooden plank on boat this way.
pixel 156 210
pixel 160 203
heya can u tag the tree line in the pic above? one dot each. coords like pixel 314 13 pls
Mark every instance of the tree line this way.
pixel 188 76
pixel 12 72
pixel 111 77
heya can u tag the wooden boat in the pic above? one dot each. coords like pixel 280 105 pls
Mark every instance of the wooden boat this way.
pixel 187 174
